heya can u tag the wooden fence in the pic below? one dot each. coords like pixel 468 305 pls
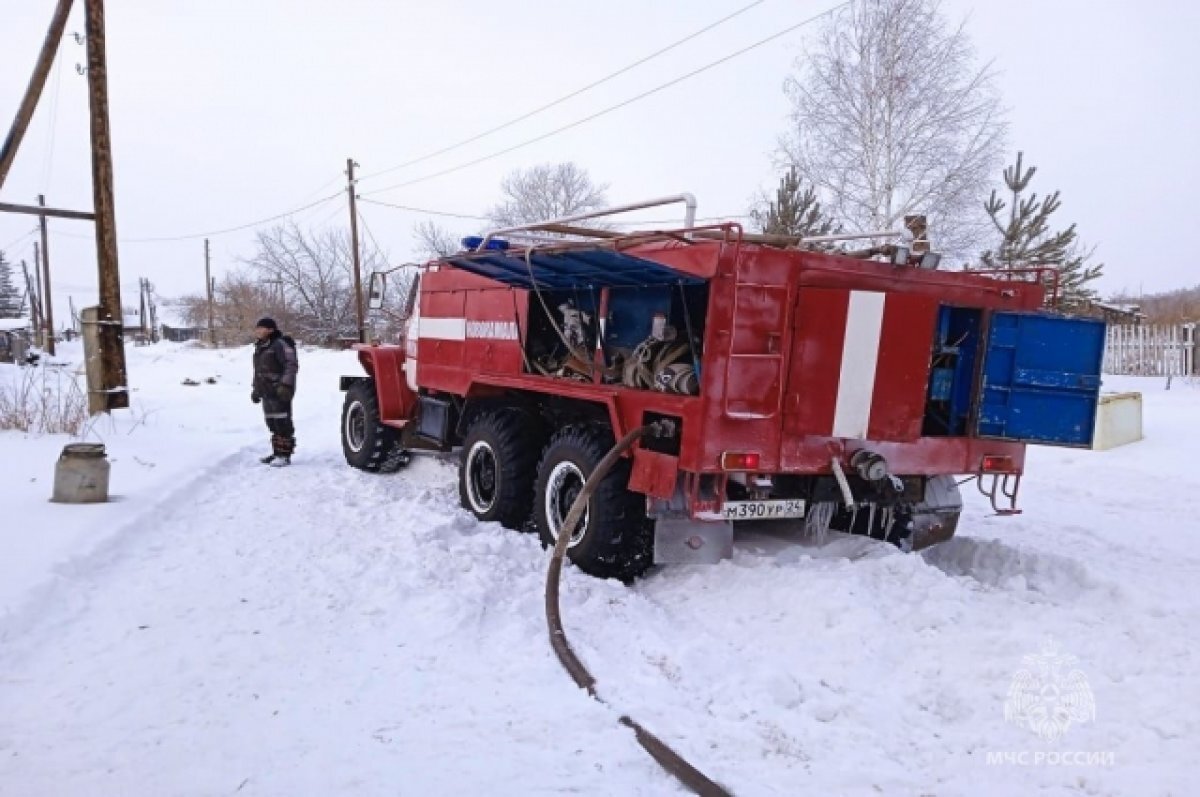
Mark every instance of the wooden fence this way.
pixel 1151 350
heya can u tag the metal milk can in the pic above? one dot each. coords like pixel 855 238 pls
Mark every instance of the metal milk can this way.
pixel 81 476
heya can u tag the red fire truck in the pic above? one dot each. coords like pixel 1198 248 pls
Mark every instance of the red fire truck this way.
pixel 844 390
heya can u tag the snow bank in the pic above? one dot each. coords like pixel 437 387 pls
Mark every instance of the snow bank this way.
pixel 229 628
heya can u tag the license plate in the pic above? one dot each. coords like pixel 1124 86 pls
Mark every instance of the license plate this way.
pixel 763 510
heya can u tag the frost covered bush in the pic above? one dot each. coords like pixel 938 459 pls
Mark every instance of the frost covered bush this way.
pixel 41 400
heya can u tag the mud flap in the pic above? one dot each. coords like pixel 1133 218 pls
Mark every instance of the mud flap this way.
pixel 686 541
pixel 935 519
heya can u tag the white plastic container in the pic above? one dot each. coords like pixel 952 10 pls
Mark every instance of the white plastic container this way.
pixel 1118 420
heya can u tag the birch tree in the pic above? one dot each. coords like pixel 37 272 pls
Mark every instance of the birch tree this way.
pixel 892 115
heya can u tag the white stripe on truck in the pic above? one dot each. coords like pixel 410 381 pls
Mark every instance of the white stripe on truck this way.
pixel 442 328
pixel 860 357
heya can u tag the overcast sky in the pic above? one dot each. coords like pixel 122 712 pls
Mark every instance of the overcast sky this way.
pixel 229 111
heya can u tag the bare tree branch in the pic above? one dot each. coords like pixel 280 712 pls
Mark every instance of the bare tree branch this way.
pixel 547 191
pixel 434 241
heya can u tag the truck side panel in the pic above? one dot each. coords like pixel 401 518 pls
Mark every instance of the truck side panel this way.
pixel 902 375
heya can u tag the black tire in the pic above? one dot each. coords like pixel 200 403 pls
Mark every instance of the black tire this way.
pixel 615 538
pixel 497 466
pixel 366 443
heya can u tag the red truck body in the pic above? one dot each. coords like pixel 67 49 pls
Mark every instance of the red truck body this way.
pixel 799 361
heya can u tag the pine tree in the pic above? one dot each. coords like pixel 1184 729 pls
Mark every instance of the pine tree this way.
pixel 1027 242
pixel 12 303
pixel 794 211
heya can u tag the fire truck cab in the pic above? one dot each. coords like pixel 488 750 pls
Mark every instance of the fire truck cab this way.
pixel 840 390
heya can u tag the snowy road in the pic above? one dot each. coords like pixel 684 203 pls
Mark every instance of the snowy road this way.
pixel 321 631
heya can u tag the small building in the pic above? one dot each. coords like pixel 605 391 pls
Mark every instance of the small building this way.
pixel 1121 313
pixel 173 325
pixel 14 339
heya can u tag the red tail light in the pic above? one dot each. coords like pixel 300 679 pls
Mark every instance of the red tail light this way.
pixel 994 464
pixel 734 460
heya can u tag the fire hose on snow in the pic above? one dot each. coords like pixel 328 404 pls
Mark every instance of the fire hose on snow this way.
pixel 668 759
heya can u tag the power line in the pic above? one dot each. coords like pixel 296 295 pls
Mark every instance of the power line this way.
pixel 215 233
pixel 48 153
pixel 611 108
pixel 19 239
pixel 322 189
pixel 329 216
pixel 425 211
pixel 371 235
pixel 563 98
pixel 471 217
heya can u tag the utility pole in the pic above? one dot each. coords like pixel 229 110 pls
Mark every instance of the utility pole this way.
pixel 39 326
pixel 47 296
pixel 35 311
pixel 41 70
pixel 142 306
pixel 113 390
pixel 358 294
pixel 208 287
pixel 276 291
pixel 153 312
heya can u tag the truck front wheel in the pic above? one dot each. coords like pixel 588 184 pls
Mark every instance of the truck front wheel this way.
pixel 366 443
pixel 614 538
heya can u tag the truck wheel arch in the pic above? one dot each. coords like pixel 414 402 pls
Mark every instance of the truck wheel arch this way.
pixel 385 367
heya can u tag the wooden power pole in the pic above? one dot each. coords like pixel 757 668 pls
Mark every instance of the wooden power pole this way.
pixel 142 320
pixel 113 387
pixel 47 296
pixel 208 292
pixel 35 310
pixel 39 323
pixel 351 187
pixel 41 70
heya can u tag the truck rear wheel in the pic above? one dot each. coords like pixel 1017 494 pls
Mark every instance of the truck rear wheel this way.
pixel 497 466
pixel 614 539
pixel 366 443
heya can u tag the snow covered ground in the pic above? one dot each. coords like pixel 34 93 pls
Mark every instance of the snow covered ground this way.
pixel 222 627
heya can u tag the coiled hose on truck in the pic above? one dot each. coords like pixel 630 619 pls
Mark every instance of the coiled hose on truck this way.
pixel 668 759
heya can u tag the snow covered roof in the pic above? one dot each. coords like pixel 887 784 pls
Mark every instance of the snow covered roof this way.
pixel 9 324
pixel 1119 307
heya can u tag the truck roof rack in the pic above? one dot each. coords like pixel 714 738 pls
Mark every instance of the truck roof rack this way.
pixel 569 266
pixel 689 218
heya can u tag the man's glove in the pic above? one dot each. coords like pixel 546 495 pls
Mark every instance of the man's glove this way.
pixel 255 397
pixel 285 392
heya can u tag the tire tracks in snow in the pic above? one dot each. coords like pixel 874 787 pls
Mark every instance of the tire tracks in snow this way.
pixel 364 624
pixel 308 630
pixel 69 574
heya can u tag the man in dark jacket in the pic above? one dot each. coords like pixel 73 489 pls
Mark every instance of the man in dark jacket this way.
pixel 275 367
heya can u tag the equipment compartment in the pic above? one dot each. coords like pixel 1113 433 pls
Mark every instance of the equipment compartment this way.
pixel 952 372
